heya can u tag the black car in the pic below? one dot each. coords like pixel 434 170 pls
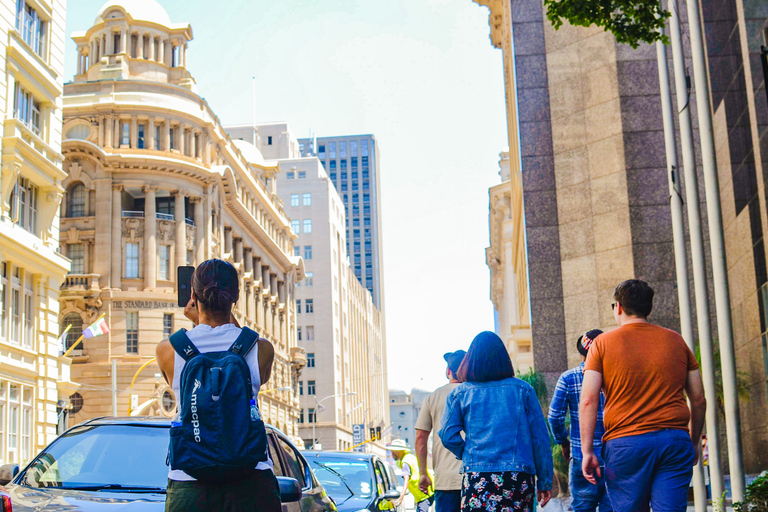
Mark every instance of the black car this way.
pixel 356 481
pixel 108 461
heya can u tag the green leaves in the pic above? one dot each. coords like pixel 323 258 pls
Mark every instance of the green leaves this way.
pixel 632 22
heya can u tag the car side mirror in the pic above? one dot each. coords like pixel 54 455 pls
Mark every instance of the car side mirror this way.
pixel 8 472
pixel 392 494
pixel 290 490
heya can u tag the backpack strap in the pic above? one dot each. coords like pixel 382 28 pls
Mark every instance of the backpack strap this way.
pixel 245 342
pixel 183 345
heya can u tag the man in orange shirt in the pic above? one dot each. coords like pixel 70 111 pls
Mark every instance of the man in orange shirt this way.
pixel 652 437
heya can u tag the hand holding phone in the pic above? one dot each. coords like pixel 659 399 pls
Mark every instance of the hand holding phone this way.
pixel 184 283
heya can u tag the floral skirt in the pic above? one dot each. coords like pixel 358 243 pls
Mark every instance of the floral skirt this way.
pixel 506 491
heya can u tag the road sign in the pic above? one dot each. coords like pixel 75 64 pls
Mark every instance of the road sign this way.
pixel 358 436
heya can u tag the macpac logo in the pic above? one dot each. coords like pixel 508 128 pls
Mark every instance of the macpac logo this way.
pixel 193 410
pixel 188 351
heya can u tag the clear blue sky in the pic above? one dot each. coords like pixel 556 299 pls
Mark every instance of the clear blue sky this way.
pixel 421 76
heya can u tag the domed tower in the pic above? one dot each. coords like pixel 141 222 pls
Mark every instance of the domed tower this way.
pixel 153 183
pixel 134 40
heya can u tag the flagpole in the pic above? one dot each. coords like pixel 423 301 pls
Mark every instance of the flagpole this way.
pixel 82 337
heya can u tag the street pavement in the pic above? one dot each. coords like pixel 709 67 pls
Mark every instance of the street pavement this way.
pixel 564 505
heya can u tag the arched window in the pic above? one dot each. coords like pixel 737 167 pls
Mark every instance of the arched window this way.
pixel 76 321
pixel 77 195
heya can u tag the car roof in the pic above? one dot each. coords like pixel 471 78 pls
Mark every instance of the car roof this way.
pixel 152 421
pixel 339 455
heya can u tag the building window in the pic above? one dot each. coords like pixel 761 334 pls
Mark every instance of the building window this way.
pixel 309 306
pixel 132 332
pixel 301 388
pixel 269 140
pixel 342 149
pixel 76 253
pixel 298 334
pixel 298 306
pixel 307 225
pixel 132 260
pixel 310 334
pixel 308 279
pixel 172 138
pixel 140 141
pixel 302 175
pixel 307 252
pixel 24 204
pixel 331 150
pixel 31 27
pixel 296 227
pixel 167 325
pixel 77 196
pixel 333 165
pixel 157 137
pixel 290 175
pixel 125 134
pixel 311 360
pixel 307 199
pixel 294 199
pixel 311 418
pixel 76 321
pixel 29 315
pixel 3 307
pixel 301 417
pixel 164 261
pixel 297 250
pixel 310 387
pixel 333 176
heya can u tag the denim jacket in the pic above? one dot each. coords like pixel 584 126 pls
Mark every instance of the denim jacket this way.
pixel 504 429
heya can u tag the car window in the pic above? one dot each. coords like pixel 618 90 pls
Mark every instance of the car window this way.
pixel 103 455
pixel 295 465
pixel 381 472
pixel 276 461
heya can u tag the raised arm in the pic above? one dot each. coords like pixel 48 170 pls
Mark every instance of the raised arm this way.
pixel 266 357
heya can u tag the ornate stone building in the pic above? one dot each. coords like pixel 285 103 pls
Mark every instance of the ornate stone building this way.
pixel 34 380
pixel 154 182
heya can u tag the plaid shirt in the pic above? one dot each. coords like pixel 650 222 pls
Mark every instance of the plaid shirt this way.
pixel 567 394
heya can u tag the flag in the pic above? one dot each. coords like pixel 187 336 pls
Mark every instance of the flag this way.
pixel 97 328
pixel 61 342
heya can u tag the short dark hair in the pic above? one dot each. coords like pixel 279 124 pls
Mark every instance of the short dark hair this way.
pixel 635 297
pixel 487 360
pixel 216 286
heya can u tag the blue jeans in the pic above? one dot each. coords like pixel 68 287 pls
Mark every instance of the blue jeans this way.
pixel 448 501
pixel 587 497
pixel 653 468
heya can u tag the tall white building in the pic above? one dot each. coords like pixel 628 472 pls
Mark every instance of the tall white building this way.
pixel 404 410
pixel 34 380
pixel 344 382
pixel 352 163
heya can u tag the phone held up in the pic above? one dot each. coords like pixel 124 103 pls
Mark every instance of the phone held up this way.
pixel 184 281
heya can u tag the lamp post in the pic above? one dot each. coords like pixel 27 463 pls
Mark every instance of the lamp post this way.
pixel 317 410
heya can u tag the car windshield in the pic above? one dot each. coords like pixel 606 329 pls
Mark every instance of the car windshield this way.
pixel 103 457
pixel 357 475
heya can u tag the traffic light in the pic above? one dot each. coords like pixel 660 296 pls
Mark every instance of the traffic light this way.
pixel 373 433
pixel 378 433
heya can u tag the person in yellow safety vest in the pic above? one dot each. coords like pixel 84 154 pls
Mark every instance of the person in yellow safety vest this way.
pixel 383 504
pixel 409 465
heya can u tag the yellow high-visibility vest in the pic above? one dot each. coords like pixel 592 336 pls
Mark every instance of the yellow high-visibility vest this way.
pixel 413 483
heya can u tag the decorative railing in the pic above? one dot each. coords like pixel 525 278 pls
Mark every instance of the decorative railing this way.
pixel 165 216
pixel 133 214
pixel 190 222
pixel 81 282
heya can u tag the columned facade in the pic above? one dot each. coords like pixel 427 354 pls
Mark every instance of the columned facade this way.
pixel 167 187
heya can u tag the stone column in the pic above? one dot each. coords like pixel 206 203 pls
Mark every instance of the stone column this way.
pixel 265 282
pixel 204 148
pixel 182 131
pixel 200 233
pixel 116 133
pixel 151 48
pixel 116 273
pixel 207 227
pixel 123 42
pixel 228 241
pixel 134 135
pixel 184 55
pixel 167 135
pixel 181 228
pixel 109 125
pixel 102 123
pixel 169 53
pixel 150 238
pixel 248 260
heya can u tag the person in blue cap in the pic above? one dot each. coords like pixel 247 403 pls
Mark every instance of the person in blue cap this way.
pixel 447 468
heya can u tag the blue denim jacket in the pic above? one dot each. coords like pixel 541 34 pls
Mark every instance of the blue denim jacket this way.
pixel 504 429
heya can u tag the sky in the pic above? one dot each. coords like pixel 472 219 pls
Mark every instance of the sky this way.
pixel 422 76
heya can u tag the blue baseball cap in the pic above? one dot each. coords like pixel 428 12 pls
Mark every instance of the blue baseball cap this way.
pixel 454 360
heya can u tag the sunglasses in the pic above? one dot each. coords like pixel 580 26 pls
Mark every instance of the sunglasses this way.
pixel 613 305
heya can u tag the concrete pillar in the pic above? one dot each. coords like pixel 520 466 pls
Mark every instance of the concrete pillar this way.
pixel 151 48
pixel 200 234
pixel 117 237
pixel 204 148
pixel 150 238
pixel 123 40
pixel 184 55
pixel 100 139
pixel 139 45
pixel 265 282
pixel 238 250
pixel 181 228
pixel 167 135
pixel 248 260
pixel 227 241
pixel 168 52
pixel 109 125
pixel 116 133
pixel 182 136
pixel 134 135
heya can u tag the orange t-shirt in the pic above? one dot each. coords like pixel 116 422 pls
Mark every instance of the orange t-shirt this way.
pixel 644 368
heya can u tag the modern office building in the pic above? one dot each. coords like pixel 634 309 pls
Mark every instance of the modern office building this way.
pixel 404 410
pixel 34 381
pixel 153 182
pixel 339 326
pixel 586 140
pixel 352 162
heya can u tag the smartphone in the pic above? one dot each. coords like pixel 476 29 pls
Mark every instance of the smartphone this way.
pixel 184 282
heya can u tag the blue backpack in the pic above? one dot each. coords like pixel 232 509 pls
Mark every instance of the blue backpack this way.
pixel 218 433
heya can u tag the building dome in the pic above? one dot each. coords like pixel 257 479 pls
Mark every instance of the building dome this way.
pixel 250 152
pixel 139 10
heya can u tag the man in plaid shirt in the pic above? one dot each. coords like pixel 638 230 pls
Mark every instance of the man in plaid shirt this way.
pixel 586 497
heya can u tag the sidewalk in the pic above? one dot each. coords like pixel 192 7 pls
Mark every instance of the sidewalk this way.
pixel 564 504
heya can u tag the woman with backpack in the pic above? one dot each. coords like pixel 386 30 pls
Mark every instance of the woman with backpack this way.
pixel 505 451
pixel 216 370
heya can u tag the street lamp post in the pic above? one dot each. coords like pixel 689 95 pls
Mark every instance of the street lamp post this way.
pixel 317 410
